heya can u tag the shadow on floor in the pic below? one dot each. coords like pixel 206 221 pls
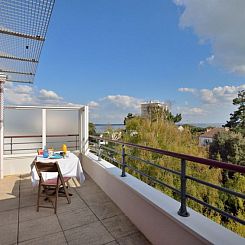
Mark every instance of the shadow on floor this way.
pixel 91 218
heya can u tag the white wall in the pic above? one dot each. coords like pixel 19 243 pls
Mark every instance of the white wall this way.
pixel 204 141
pixel 15 165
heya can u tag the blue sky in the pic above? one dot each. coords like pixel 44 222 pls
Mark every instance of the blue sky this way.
pixel 115 54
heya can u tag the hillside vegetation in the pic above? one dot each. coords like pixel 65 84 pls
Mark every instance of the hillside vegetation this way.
pixel 165 135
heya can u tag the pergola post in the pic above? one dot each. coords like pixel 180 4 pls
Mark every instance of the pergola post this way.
pixel 80 113
pixel 2 81
pixel 44 128
pixel 83 129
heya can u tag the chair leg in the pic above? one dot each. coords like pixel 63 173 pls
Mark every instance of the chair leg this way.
pixel 67 195
pixel 56 198
pixel 38 195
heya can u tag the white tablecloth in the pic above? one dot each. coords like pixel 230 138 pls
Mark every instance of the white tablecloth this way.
pixel 69 167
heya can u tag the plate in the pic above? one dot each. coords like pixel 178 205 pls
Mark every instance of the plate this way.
pixel 56 156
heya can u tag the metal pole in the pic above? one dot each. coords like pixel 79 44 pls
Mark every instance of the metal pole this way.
pixel 44 128
pixel 2 81
pixel 123 162
pixel 85 129
pixel 99 151
pixel 80 139
pixel 76 142
pixel 183 211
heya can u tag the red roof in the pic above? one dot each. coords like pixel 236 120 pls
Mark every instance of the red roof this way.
pixel 211 132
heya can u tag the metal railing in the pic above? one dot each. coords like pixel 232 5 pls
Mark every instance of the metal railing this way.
pixel 17 143
pixel 98 146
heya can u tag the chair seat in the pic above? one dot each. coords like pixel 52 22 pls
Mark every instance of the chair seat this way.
pixel 54 181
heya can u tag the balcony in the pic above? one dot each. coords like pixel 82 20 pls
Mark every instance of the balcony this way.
pixel 110 207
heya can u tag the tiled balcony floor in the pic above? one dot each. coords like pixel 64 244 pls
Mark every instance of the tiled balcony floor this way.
pixel 91 218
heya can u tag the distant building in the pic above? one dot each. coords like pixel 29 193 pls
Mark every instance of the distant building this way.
pixel 181 128
pixel 206 138
pixel 148 108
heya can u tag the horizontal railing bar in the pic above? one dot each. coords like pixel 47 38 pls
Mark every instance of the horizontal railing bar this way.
pixel 36 136
pixel 56 142
pixel 93 150
pixel 22 136
pixel 27 149
pixel 153 164
pixel 24 149
pixel 22 143
pixel 216 187
pixel 109 149
pixel 28 142
pixel 209 162
pixel 102 154
pixel 227 215
pixel 62 135
pixel 153 179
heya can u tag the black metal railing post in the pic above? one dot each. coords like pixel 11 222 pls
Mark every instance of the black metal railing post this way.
pixel 123 162
pixel 183 211
pixel 99 151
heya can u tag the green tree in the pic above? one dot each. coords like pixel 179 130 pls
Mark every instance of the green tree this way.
pixel 92 129
pixel 165 135
pixel 237 119
pixel 171 118
pixel 229 147
pixel 158 112
pixel 129 116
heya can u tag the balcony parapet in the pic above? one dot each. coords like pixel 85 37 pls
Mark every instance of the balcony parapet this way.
pixel 153 212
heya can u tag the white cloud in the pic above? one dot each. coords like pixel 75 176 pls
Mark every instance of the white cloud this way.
pixel 215 105
pixel 93 104
pixel 124 101
pixel 23 89
pixel 196 110
pixel 208 60
pixel 48 95
pixel 113 108
pixel 29 95
pixel 18 95
pixel 216 95
pixel 220 95
pixel 190 90
pixel 190 111
pixel 219 23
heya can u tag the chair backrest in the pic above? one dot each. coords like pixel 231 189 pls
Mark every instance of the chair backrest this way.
pixel 48 167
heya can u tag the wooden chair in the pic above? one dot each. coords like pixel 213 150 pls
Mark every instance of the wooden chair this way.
pixel 54 184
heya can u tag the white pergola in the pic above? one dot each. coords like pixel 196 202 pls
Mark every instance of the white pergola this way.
pixel 83 126
pixel 23 29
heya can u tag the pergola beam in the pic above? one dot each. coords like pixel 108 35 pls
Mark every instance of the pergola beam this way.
pixel 17 34
pixel 18 81
pixel 18 72
pixel 18 58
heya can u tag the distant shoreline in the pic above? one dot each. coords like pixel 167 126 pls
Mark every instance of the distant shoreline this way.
pixel 201 125
pixel 109 124
pixel 102 127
